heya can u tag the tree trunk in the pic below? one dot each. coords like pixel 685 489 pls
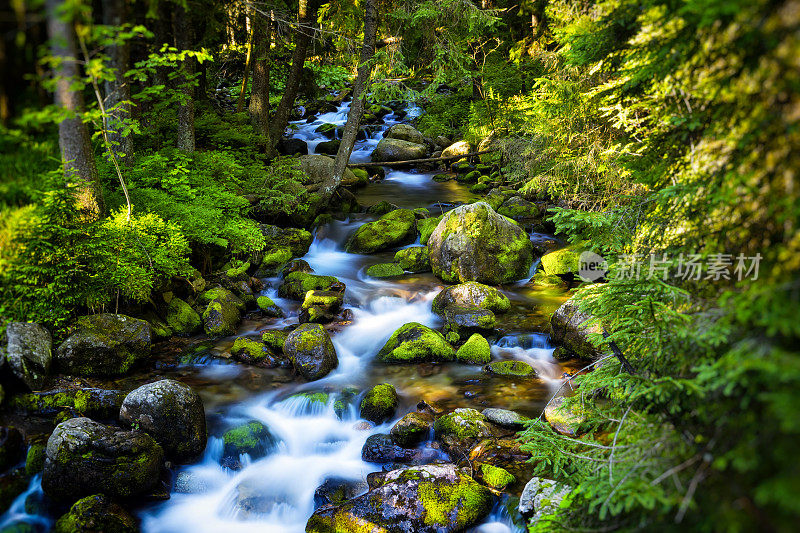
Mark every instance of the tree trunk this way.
pixel 306 15
pixel 248 65
pixel 73 136
pixel 118 90
pixel 357 106
pixel 182 29
pixel 259 92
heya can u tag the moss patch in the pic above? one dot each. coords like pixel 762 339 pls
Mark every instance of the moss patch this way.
pixel 414 259
pixel 392 229
pixel 415 343
pixel 379 404
pixel 385 270
pixel 475 351
pixel 496 477
pixel 510 368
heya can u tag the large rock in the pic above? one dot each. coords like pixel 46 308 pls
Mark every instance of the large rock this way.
pixel 561 262
pixel 379 404
pixel 470 305
pixel 29 352
pixel 392 229
pixel 381 448
pixel 221 317
pixel 252 438
pixel 318 168
pixel 541 497
pixel 474 243
pixel 181 318
pixel 412 429
pixel 297 284
pixel 456 149
pixel 569 328
pixel 91 402
pixel 398 150
pixel 172 413
pixel 422 499
pixel 404 132
pixel 104 345
pixel 476 351
pixel 461 429
pixel 311 351
pixel 414 259
pixel 96 513
pixel 85 457
pixel 415 343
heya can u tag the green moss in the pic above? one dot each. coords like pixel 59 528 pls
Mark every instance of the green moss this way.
pixel 274 339
pixel 320 398
pixel 415 343
pixel 324 299
pixel 510 368
pixel 454 506
pixel 269 307
pixel 273 261
pixel 462 424
pixel 253 350
pixel 496 477
pixel 221 318
pixel 414 259
pixel 253 438
pixel 542 279
pixel 223 295
pixel 385 270
pixel 297 284
pixel 518 209
pixel 96 513
pixel 561 262
pixel 452 337
pixel 442 177
pixel 469 177
pixel 34 460
pixel 479 188
pixel 240 270
pixel 392 229
pixel 410 430
pixel 379 403
pixel 475 351
pixel 182 318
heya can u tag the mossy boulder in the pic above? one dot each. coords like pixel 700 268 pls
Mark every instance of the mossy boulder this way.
pixel 411 430
pixel 172 413
pixel 569 327
pixel 273 260
pixel 516 369
pixel 469 177
pixel 327 129
pixel 561 262
pixel 311 351
pixel 398 150
pixel 496 477
pixel 274 339
pixel 221 317
pixel 542 279
pixel 392 229
pixel 505 418
pixel 317 168
pixel 405 132
pixel 29 352
pixel 381 208
pixel 470 306
pixel 461 428
pixel 520 209
pixel 475 351
pixel 11 447
pixel 85 457
pixel 379 404
pixel 541 497
pixel 423 499
pixel 158 326
pixel 223 295
pixel 34 458
pixel 425 227
pixel 414 259
pixel 416 343
pixel 564 417
pixel 252 438
pixel 90 402
pixel 329 147
pixel 104 345
pixel 459 148
pixel 297 284
pixel 385 270
pixel 269 307
pixel 474 243
pixel 96 513
pixel 321 307
pixel 181 318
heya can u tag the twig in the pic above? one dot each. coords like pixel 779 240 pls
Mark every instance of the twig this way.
pixel 614 444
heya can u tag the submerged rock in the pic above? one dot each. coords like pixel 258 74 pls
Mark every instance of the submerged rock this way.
pixel 510 368
pixel 411 430
pixel 104 345
pixel 565 419
pixel 398 150
pixel 311 351
pixel 568 327
pixel 414 259
pixel 172 413
pixel 422 499
pixel 321 306
pixel 379 404
pixel 474 243
pixel 392 229
pixel 385 270
pixel 253 438
pixel 380 448
pixel 505 418
pixel 96 513
pixel 415 343
pixel 85 457
pixel 29 352
pixel 404 132
pixel 476 351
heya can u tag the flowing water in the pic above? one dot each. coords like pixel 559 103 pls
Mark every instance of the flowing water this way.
pixel 314 443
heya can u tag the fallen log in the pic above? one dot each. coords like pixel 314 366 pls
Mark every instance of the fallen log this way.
pixel 417 161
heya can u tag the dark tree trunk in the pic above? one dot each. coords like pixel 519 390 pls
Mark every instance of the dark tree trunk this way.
pixel 248 66
pixel 73 136
pixel 182 28
pixel 259 92
pixel 306 15
pixel 357 106
pixel 118 90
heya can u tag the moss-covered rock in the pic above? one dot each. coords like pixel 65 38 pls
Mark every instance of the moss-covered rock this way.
pixel 415 343
pixel 564 417
pixel 85 457
pixel 381 208
pixel 269 307
pixel 273 260
pixel 519 369
pixel 479 188
pixel 274 339
pixel 29 352
pixel 311 351
pixel 392 229
pixel 252 438
pixel 329 147
pixel 425 499
pixel 474 243
pixel 221 318
pixel 104 345
pixel 561 262
pixel 34 459
pixel 327 129
pixel 541 497
pixel 158 326
pixel 465 319
pixel 569 327
pixel 414 259
pixel 223 295
pixel 398 150
pixel 542 279
pixel 469 177
pixel 317 168
pixel 425 227
pixel 90 402
pixel 380 448
pixel 321 307
pixel 505 418
pixel 362 175
pixel 461 426
pixel 496 477
pixel 411 430
pixel 12 484
pixel 405 132
pixel 519 209
pixel 385 270
pixel 456 149
pixel 297 284
pixel 379 404
pixel 181 318
pixel 11 447
pixel 471 294
pixel 475 351
pixel 172 413
pixel 96 513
